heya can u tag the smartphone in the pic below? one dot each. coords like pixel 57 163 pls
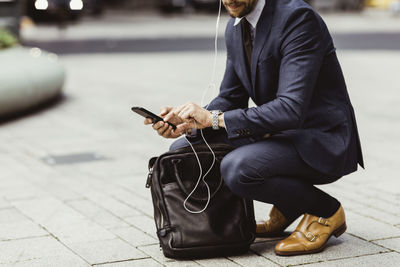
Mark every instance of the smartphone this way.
pixel 147 114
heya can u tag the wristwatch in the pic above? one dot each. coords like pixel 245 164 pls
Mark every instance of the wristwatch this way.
pixel 215 114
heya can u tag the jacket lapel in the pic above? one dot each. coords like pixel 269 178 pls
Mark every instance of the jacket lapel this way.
pixel 263 30
pixel 238 40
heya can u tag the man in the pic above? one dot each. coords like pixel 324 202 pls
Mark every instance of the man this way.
pixel 301 133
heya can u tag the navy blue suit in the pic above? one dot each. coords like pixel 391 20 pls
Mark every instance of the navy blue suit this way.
pixel 298 87
pixel 297 84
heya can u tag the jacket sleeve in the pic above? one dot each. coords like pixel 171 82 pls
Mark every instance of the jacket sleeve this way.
pixel 302 52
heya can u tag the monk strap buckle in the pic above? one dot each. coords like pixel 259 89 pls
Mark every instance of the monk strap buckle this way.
pixel 323 221
pixel 311 237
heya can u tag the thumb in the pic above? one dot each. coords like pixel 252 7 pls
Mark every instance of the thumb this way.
pixel 180 129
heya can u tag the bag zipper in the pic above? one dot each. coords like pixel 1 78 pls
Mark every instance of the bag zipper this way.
pixel 148 184
pixel 148 181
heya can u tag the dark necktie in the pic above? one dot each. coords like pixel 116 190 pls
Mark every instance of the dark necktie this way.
pixel 247 42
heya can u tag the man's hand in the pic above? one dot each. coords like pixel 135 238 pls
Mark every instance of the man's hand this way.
pixel 164 129
pixel 196 116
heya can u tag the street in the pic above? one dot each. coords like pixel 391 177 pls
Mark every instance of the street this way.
pixel 72 178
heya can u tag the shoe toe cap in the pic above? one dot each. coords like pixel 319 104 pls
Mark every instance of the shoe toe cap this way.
pixel 289 245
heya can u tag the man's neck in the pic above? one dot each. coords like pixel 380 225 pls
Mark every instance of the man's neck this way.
pixel 254 15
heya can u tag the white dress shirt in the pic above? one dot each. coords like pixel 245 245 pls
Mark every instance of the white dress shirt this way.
pixel 253 17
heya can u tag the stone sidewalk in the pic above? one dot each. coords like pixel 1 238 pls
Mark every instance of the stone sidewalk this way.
pixel 72 177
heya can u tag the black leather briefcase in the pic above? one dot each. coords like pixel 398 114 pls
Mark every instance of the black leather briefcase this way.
pixel 225 227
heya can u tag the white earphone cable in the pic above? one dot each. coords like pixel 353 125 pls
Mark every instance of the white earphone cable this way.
pixel 211 86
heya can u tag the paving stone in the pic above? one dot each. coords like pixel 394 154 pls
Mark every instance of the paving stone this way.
pixel 60 191
pixel 261 210
pixel 4 204
pixel 62 221
pixel 80 231
pixel 133 263
pixel 156 253
pixel 134 184
pixel 11 215
pixel 388 186
pixel 375 201
pixel 379 215
pixel 130 198
pixel 41 251
pixel 368 228
pixel 50 261
pixel 48 211
pixel 377 260
pixel 343 247
pixel 12 180
pixel 390 243
pixel 97 214
pixel 144 223
pixel 23 229
pixel 222 262
pixel 105 251
pixel 251 259
pixel 134 236
pixel 111 204
pixel 22 193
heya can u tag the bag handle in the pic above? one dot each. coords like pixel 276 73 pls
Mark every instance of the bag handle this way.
pixel 183 188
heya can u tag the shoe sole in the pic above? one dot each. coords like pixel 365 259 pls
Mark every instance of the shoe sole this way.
pixel 338 232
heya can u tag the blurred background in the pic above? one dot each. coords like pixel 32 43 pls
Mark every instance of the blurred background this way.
pixel 74 157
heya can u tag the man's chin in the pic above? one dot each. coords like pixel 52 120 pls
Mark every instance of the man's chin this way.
pixel 235 15
pixel 240 14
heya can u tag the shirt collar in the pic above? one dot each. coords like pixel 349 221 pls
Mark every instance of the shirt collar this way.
pixel 254 15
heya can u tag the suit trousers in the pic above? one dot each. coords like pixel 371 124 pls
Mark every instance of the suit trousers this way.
pixel 271 171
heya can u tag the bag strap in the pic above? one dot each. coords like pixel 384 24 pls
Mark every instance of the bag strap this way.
pixel 175 162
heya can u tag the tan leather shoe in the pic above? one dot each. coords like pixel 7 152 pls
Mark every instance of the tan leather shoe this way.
pixel 311 234
pixel 275 226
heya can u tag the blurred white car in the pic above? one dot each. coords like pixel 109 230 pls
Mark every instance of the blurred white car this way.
pixel 54 9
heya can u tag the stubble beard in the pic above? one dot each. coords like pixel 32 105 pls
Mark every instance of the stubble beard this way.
pixel 248 7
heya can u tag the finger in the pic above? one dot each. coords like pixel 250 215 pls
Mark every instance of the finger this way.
pixel 167 133
pixel 164 110
pixel 170 115
pixel 187 113
pixel 148 121
pixel 162 129
pixel 179 109
pixel 158 125
pixel 192 124
pixel 180 129
pixel 182 111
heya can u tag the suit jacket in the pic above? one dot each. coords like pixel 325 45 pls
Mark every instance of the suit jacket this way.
pixel 297 84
